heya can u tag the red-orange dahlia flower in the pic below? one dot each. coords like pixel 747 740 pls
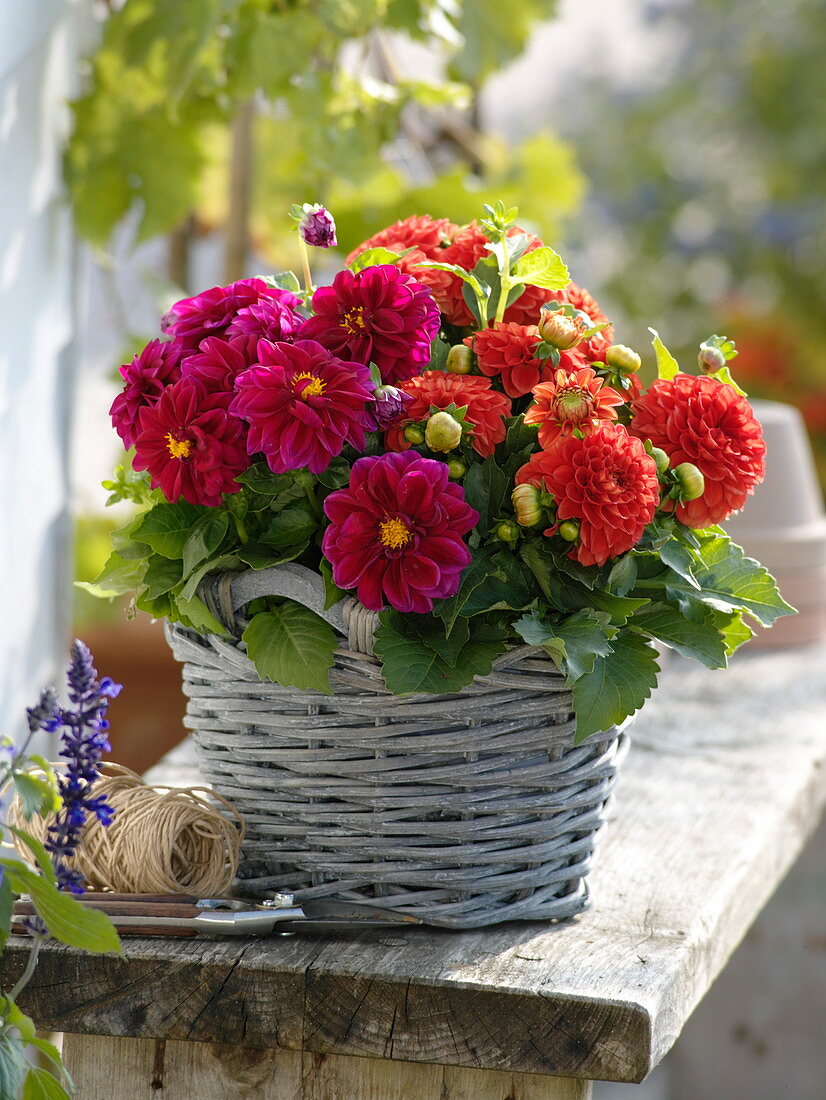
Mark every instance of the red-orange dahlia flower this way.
pixel 595 347
pixel 486 407
pixel 577 399
pixel 708 423
pixel 604 480
pixel 506 350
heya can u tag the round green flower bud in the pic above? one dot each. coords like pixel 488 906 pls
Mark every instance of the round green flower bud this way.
pixel 526 505
pixel 710 359
pixel 690 481
pixel 569 530
pixel 456 469
pixel 660 458
pixel 442 432
pixel 560 331
pixel 413 433
pixel 507 532
pixel 623 359
pixel 459 359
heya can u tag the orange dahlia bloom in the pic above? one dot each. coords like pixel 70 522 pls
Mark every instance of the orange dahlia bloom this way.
pixel 711 425
pixel 604 480
pixel 486 407
pixel 506 351
pixel 576 399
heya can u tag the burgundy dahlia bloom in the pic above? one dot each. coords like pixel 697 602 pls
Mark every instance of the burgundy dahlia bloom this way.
pixel 379 315
pixel 396 532
pixel 269 319
pixel 146 377
pixel 191 445
pixel 302 405
pixel 211 313
pixel 219 362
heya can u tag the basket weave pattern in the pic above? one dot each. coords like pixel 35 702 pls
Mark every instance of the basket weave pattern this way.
pixel 463 810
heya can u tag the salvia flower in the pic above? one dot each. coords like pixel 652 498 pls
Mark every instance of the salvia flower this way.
pixel 396 532
pixel 316 226
pixel 379 315
pixel 146 377
pixel 84 739
pixel 191 445
pixel 302 404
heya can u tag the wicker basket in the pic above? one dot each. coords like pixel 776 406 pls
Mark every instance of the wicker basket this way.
pixel 463 810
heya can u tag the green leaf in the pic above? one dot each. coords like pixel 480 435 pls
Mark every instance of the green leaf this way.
pixel 37 795
pixel 677 556
pixel 724 375
pixel 410 665
pixel 372 257
pixel 227 563
pixel 292 646
pixel 117 577
pixel 195 614
pixel 623 575
pixel 40 1084
pixel 574 643
pixel 332 593
pixel 292 528
pixel 50 1051
pixel 285 280
pixel 618 685
pixel 205 539
pixel 337 473
pixel 508 585
pixel 12 1065
pixel 729 579
pixel 733 629
pixel 161 576
pixel 41 856
pixel 699 640
pixel 166 527
pixel 18 1019
pixel 544 268
pixel 65 918
pixel 258 556
pixel 478 570
pixel 487 489
pixel 667 365
pixel 6 910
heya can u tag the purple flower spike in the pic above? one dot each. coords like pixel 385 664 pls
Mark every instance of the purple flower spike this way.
pixel 317 227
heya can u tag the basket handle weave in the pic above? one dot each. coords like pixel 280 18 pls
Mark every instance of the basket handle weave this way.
pixel 227 594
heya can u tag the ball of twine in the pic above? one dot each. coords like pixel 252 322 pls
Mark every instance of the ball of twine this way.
pixel 163 840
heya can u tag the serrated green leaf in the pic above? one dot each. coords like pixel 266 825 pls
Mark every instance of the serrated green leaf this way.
pixel 118 576
pixel 699 640
pixel 487 489
pixel 40 1084
pixel 291 528
pixel 411 666
pixel 724 375
pixel 6 910
pixel 371 257
pixel 733 629
pixel 472 577
pixel 161 576
pixel 12 1065
pixel 509 585
pixel 226 563
pixel 667 365
pixel 623 575
pixel 544 268
pixel 12 1014
pixel 166 527
pixel 49 1050
pixel 205 539
pixel 37 796
pixel 195 614
pixel 65 918
pixel 292 646
pixel 677 556
pixel 617 687
pixel 576 640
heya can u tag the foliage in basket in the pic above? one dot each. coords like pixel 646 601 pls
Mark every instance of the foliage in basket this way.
pixel 449 433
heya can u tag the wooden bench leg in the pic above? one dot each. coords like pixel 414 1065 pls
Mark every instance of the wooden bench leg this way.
pixel 104 1068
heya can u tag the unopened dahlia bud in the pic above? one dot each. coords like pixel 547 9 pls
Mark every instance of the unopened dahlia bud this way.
pixel 559 330
pixel 388 407
pixel 507 532
pixel 623 359
pixel 569 530
pixel 316 226
pixel 710 359
pixel 526 505
pixel 414 433
pixel 661 459
pixel 443 432
pixel 456 469
pixel 459 359
pixel 690 481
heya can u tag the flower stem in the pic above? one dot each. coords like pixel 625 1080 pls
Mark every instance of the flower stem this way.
pixel 241 529
pixel 31 963
pixel 305 262
pixel 505 283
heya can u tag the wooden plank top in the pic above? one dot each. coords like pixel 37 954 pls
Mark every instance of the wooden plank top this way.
pixel 725 780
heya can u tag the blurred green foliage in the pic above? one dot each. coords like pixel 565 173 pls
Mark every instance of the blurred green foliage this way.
pixel 169 76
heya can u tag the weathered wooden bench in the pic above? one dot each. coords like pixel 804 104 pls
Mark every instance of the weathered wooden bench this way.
pixel 724 783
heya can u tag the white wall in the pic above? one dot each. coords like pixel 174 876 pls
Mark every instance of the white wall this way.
pixel 38 50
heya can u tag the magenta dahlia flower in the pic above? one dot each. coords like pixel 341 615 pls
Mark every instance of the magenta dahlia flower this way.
pixel 302 405
pixel 268 319
pixel 146 377
pixel 379 315
pixel 191 445
pixel 396 532
pixel 210 314
pixel 219 362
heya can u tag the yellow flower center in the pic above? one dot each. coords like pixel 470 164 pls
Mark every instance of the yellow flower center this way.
pixel 353 320
pixel 394 533
pixel 314 386
pixel 178 448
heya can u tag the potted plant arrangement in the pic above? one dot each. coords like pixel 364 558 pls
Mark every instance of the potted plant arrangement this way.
pixel 416 536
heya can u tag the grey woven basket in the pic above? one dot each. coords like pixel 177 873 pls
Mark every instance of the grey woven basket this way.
pixel 463 810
